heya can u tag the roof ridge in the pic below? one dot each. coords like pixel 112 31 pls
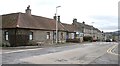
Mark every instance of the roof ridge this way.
pixel 11 13
pixel 66 24
pixel 63 26
pixel 17 24
pixel 42 17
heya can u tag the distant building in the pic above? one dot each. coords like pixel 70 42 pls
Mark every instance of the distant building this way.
pixel 87 30
pixel 71 33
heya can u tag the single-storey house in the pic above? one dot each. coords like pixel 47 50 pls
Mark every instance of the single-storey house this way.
pixel 21 29
pixel 71 33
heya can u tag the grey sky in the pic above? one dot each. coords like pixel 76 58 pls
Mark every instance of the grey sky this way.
pixel 104 13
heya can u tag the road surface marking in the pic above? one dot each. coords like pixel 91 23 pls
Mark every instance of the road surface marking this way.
pixel 20 51
pixel 110 50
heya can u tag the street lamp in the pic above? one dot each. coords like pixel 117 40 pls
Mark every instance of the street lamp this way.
pixel 92 30
pixel 56 25
pixel 83 28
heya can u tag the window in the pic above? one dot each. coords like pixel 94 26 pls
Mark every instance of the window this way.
pixel 54 35
pixel 67 35
pixel 61 35
pixel 48 35
pixel 6 35
pixel 31 36
pixel 72 35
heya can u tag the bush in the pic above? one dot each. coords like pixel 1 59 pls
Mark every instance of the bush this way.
pixel 73 40
pixel 32 43
pixel 87 38
pixel 6 44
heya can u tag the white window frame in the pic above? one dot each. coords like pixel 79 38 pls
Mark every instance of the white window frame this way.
pixel 6 35
pixel 31 36
pixel 48 35
pixel 72 35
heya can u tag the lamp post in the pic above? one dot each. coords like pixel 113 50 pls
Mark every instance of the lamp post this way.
pixel 92 31
pixel 83 27
pixel 56 25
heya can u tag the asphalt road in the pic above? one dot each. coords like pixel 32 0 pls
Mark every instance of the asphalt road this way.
pixel 90 53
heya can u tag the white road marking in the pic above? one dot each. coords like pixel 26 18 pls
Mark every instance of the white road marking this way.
pixel 110 50
pixel 20 50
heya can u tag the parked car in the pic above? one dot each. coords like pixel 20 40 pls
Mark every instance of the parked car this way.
pixel 108 40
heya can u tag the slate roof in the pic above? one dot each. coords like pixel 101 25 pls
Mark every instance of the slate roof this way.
pixel 23 20
pixel 81 25
pixel 69 27
pixel 97 30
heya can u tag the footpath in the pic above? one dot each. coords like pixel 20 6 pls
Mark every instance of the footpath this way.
pixel 29 48
pixel 43 46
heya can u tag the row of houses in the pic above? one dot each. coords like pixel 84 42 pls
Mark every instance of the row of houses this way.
pixel 20 29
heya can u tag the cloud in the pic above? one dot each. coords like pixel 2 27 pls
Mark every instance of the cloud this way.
pixel 103 12
pixel 111 27
pixel 106 23
pixel 107 18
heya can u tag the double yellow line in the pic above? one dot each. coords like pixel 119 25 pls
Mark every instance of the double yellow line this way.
pixel 110 50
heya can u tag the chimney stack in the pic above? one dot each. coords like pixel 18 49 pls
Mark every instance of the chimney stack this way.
pixel 74 20
pixel 28 10
pixel 54 17
pixel 83 22
pixel 58 18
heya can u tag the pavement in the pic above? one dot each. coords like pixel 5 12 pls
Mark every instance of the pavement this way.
pixel 88 53
pixel 29 48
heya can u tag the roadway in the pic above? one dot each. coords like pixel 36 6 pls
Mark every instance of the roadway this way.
pixel 89 53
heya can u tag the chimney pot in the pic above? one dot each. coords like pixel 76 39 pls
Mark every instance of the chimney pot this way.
pixel 74 20
pixel 83 22
pixel 28 10
pixel 54 17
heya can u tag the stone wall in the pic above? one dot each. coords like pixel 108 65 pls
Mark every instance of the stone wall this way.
pixel 62 38
pixel 19 37
pixel 4 42
pixel 16 37
pixel 41 36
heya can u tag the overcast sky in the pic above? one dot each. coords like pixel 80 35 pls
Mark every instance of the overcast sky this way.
pixel 104 13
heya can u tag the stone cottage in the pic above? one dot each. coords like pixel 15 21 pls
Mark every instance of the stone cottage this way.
pixel 21 29
pixel 71 31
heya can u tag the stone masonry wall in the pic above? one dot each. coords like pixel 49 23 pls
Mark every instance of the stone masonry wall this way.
pixel 41 36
